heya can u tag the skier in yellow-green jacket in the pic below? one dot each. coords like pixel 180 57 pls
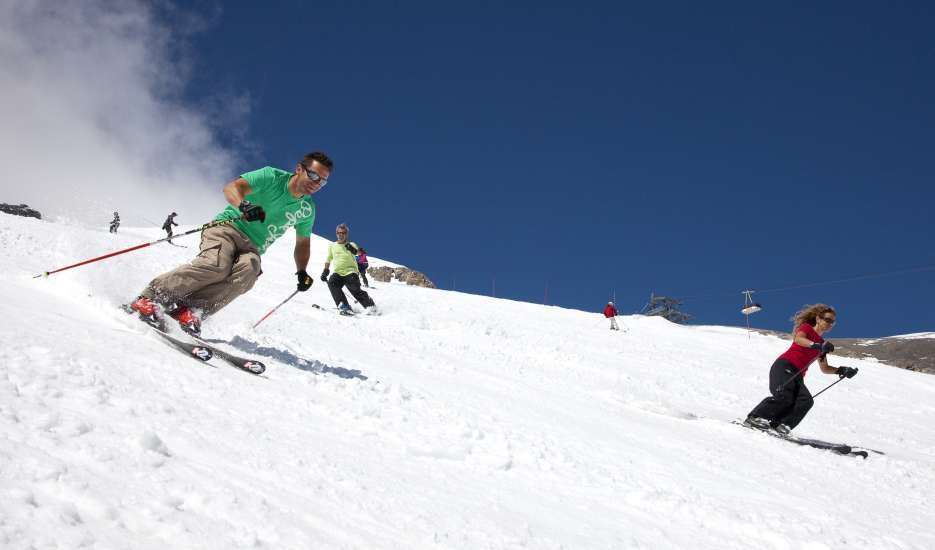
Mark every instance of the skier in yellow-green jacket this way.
pixel 341 256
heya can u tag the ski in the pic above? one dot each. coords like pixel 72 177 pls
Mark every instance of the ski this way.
pixel 855 450
pixel 838 448
pixel 344 312
pixel 198 351
pixel 339 311
pixel 243 363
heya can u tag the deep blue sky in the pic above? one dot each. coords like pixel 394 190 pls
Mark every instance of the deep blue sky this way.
pixel 682 148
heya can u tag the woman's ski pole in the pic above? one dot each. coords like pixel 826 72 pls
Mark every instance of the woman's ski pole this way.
pixel 275 308
pixel 208 225
pixel 828 387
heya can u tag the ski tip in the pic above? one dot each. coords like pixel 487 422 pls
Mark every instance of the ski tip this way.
pixel 254 367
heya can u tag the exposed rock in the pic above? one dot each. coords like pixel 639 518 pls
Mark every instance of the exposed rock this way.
pixel 917 354
pixel 20 210
pixel 385 274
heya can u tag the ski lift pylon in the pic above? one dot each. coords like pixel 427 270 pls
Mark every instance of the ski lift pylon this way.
pixel 749 306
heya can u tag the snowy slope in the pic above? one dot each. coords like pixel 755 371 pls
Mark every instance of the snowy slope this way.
pixel 452 421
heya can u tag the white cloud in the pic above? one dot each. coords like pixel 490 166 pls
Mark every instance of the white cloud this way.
pixel 93 120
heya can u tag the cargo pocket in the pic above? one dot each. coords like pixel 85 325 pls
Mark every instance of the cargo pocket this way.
pixel 209 257
pixel 255 265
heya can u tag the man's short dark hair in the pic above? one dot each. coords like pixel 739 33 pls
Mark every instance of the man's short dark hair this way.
pixel 320 157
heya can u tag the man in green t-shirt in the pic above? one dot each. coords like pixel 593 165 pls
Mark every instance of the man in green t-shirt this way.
pixel 263 205
pixel 341 253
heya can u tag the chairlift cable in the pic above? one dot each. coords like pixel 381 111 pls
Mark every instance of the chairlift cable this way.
pixel 916 269
pixel 855 278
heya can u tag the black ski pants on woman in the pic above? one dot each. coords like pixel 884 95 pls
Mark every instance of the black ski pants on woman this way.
pixel 790 400
pixel 337 282
pixel 363 273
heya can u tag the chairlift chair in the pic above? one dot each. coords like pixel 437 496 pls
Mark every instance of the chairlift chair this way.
pixel 749 306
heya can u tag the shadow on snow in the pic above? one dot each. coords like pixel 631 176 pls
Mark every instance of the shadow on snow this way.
pixel 289 358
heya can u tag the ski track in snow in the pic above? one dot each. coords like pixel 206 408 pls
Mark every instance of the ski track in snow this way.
pixel 452 421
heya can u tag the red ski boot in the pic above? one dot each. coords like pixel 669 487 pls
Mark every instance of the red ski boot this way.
pixel 188 321
pixel 150 312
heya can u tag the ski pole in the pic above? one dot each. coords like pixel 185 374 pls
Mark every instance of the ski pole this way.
pixel 208 225
pixel 275 308
pixel 828 387
pixel 786 383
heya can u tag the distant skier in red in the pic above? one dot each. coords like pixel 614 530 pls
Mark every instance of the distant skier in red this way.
pixel 611 313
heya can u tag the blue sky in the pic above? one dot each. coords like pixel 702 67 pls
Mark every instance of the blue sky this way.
pixel 686 149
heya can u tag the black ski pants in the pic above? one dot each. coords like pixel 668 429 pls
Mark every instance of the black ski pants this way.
pixel 790 400
pixel 352 281
pixel 363 273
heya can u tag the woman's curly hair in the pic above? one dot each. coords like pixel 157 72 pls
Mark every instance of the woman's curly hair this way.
pixel 809 314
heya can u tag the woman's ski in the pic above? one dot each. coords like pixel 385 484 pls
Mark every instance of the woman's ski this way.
pixel 839 448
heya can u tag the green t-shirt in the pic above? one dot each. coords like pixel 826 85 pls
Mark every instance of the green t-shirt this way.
pixel 341 260
pixel 270 190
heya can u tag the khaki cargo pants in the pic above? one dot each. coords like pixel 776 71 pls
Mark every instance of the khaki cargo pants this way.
pixel 227 266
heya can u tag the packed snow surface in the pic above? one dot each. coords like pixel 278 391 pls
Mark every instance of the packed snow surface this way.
pixel 916 336
pixel 451 421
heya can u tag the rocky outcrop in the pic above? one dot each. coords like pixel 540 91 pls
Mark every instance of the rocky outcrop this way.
pixel 386 274
pixel 20 210
pixel 917 354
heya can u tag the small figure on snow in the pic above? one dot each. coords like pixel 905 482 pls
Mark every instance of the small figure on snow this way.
pixel 264 204
pixel 362 265
pixel 167 225
pixel 342 253
pixel 115 223
pixel 790 399
pixel 611 313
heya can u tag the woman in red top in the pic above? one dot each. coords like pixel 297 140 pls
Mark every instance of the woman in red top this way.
pixel 790 399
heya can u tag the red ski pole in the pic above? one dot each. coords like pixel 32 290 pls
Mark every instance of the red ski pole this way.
pixel 208 225
pixel 275 308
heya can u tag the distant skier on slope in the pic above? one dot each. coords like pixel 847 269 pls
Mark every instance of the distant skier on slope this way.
pixel 790 400
pixel 167 225
pixel 229 261
pixel 115 223
pixel 610 311
pixel 362 265
pixel 342 252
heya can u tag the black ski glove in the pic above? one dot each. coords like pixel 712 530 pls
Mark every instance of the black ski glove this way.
pixel 324 275
pixel 252 212
pixel 305 282
pixel 824 348
pixel 847 372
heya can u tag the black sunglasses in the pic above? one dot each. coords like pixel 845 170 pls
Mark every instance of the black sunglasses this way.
pixel 315 176
pixel 829 320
